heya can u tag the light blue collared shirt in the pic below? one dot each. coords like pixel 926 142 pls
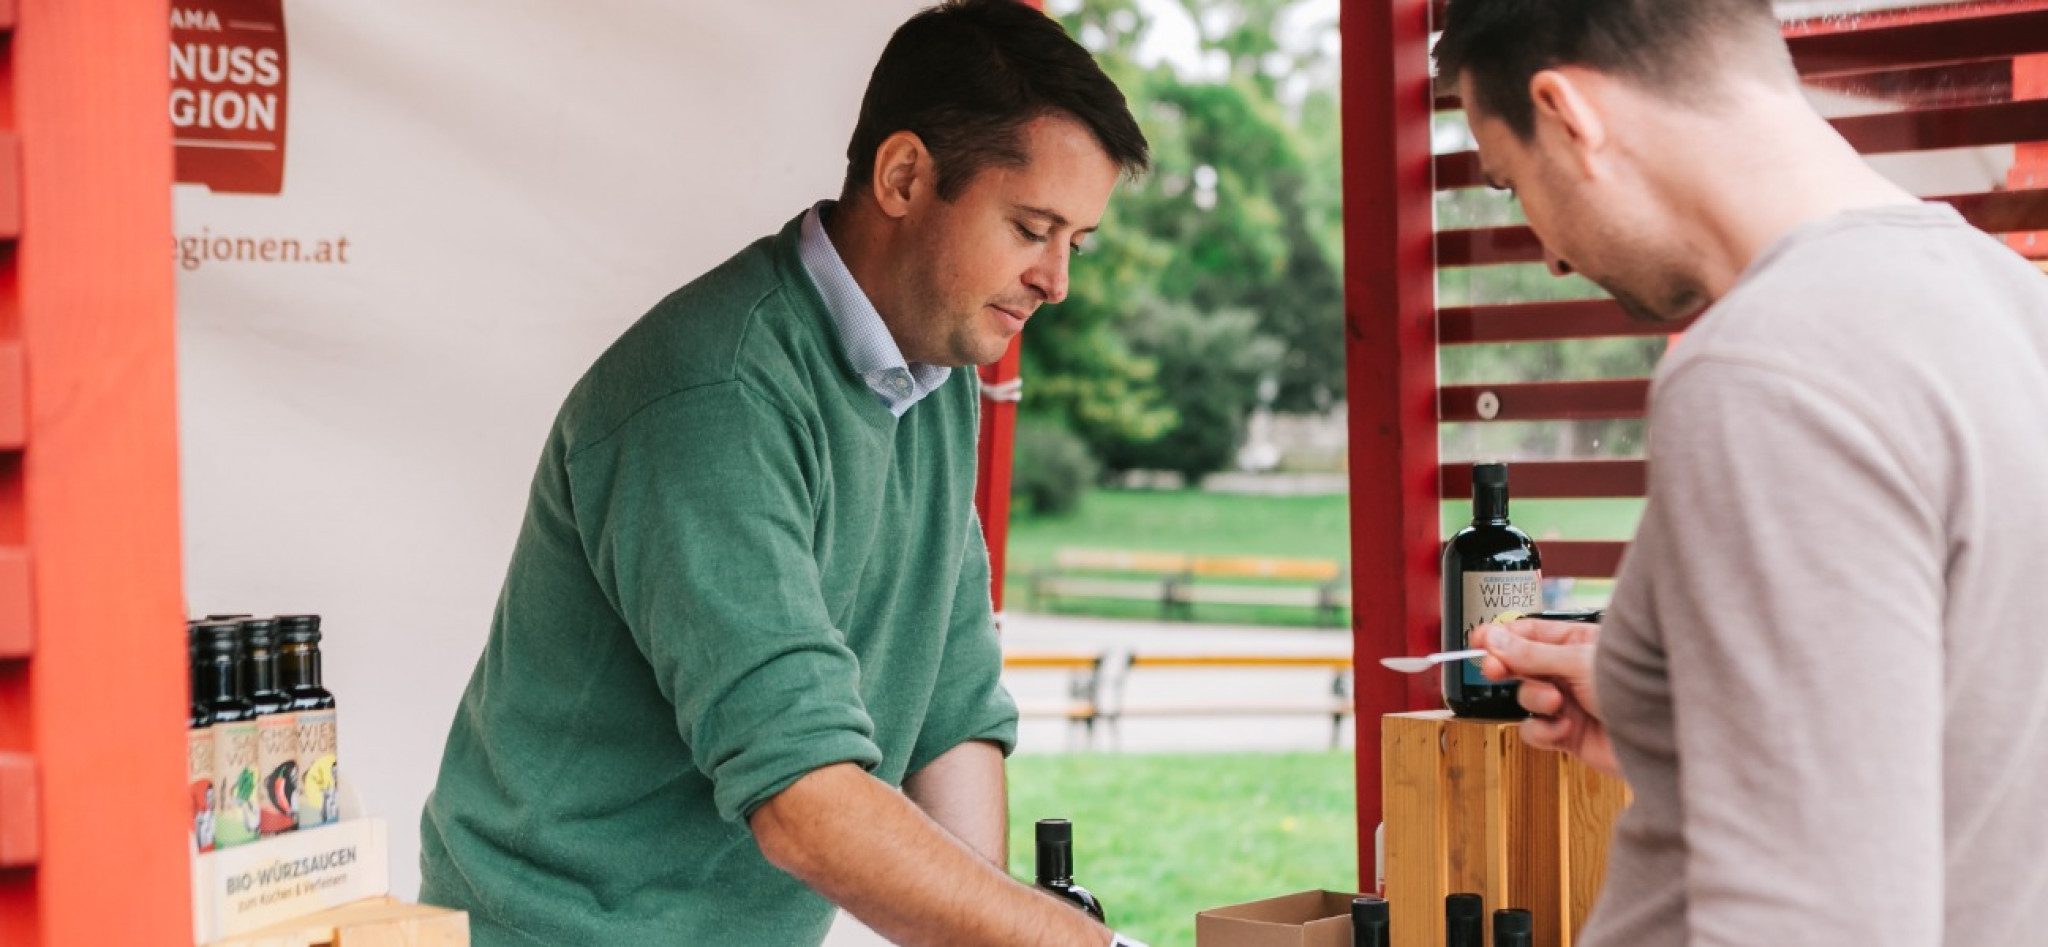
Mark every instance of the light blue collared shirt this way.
pixel 869 346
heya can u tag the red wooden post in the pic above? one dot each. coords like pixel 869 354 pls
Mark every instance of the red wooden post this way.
pixel 1390 355
pixel 92 680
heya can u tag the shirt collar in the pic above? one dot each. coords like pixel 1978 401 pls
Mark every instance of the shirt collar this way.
pixel 869 347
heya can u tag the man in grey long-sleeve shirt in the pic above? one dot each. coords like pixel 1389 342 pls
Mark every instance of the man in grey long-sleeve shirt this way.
pixel 1823 672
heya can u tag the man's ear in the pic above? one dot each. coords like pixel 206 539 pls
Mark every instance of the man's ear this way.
pixel 903 173
pixel 1569 105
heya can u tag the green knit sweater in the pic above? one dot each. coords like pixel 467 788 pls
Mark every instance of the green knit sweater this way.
pixel 736 567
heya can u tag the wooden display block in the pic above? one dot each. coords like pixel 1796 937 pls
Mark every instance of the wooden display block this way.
pixel 1471 808
pixel 375 922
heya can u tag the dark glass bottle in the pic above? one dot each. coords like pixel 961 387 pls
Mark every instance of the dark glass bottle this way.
pixel 1464 921
pixel 1369 923
pixel 277 734
pixel 1513 927
pixel 1491 572
pixel 199 768
pixel 1056 866
pixel 314 715
pixel 234 734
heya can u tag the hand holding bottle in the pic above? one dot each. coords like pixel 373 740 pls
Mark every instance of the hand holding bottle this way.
pixel 1554 659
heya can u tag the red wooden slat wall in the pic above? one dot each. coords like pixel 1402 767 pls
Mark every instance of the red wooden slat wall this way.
pixel 1963 75
pixel 92 682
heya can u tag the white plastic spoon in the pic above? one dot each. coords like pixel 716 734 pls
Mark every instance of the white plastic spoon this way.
pixel 1419 665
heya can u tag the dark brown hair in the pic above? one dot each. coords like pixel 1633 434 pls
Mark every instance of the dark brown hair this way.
pixel 1669 46
pixel 966 75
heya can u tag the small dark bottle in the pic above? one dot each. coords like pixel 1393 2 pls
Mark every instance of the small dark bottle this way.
pixel 235 812
pixel 199 773
pixel 277 734
pixel 1369 923
pixel 1464 921
pixel 1056 866
pixel 1513 927
pixel 1491 572
pixel 312 707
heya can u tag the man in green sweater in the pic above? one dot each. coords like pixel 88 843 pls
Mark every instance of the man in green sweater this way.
pixel 744 667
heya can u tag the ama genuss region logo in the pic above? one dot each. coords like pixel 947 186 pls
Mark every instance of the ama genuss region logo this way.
pixel 228 101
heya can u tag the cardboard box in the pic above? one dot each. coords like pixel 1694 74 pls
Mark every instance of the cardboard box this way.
pixel 375 922
pixel 1305 919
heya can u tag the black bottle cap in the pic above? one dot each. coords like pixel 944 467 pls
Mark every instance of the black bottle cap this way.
pixel 1369 913
pixel 1512 926
pixel 1465 907
pixel 234 617
pixel 1489 491
pixel 1055 832
pixel 298 629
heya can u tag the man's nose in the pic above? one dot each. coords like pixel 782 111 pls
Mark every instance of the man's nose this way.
pixel 1049 277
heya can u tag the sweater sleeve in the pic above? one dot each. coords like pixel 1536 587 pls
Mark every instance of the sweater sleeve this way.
pixel 1799 596
pixel 969 702
pixel 697 518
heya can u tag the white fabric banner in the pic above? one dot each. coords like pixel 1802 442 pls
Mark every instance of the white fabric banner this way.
pixel 473 200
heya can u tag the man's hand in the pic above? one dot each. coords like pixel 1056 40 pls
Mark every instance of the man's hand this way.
pixel 1554 659
pixel 868 849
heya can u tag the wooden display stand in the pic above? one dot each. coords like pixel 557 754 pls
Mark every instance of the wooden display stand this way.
pixel 376 922
pixel 1470 807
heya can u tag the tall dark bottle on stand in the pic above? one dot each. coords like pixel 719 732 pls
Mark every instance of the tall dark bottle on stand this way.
pixel 1056 866
pixel 277 737
pixel 1492 572
pixel 1513 927
pixel 312 708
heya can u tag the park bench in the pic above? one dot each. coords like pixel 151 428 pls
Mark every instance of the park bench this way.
pixel 1082 705
pixel 1180 582
pixel 1097 683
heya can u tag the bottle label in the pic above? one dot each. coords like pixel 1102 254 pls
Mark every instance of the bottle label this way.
pixel 199 782
pixel 1497 596
pixel 236 817
pixel 277 761
pixel 317 803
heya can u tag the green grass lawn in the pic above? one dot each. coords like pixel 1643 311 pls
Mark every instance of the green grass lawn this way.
pixel 1218 524
pixel 1160 837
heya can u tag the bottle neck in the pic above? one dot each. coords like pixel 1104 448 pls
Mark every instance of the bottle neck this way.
pixel 260 673
pixel 217 682
pixel 1489 505
pixel 299 666
pixel 1055 863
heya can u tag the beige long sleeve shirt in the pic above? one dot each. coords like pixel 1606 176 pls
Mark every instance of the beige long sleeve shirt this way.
pixel 1825 667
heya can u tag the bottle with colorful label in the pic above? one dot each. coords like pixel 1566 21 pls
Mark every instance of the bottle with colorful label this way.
pixel 1492 572
pixel 277 733
pixel 236 812
pixel 319 778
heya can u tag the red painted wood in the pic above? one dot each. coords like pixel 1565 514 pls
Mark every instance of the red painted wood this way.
pixel 1965 126
pixel 2025 208
pixel 1390 365
pixel 13 396
pixel 1541 322
pixel 20 812
pixel 2030 160
pixel 1581 560
pixel 1993 35
pixel 10 184
pixel 1560 479
pixel 17 617
pixel 104 706
pixel 997 451
pixel 1548 401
